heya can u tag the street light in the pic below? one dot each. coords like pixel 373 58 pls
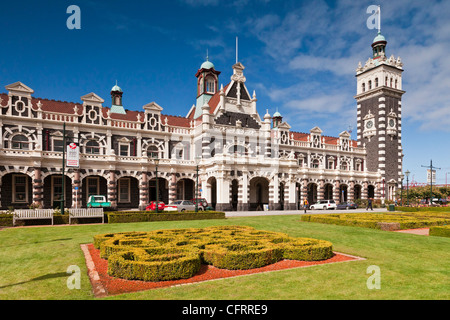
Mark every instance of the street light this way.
pixel 197 162
pixel 156 161
pixel 407 173
pixel 402 176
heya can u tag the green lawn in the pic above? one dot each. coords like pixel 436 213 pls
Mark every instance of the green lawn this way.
pixel 33 264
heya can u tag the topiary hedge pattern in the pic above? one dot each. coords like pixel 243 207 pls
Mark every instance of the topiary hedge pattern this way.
pixel 179 253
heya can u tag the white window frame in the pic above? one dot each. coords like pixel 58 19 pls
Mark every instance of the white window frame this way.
pixel 14 198
pixel 98 147
pixel 28 143
pixel 124 144
pixel 53 143
pixel 210 85
pixel 119 186
pixel 157 151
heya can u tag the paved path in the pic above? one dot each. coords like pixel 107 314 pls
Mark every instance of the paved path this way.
pixel 230 214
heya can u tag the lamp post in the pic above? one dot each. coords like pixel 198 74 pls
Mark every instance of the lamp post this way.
pixel 401 189
pixel 407 173
pixel 197 162
pixel 63 180
pixel 156 161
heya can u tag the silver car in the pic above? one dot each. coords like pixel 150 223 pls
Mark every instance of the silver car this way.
pixel 182 205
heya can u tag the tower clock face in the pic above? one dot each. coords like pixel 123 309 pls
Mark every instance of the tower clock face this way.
pixel 369 124
pixel 391 123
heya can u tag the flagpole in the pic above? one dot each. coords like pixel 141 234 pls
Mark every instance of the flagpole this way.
pixel 237 46
pixel 379 19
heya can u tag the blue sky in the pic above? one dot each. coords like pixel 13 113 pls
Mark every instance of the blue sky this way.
pixel 300 57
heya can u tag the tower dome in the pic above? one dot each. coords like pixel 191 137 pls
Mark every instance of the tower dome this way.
pixel 379 46
pixel 116 88
pixel 207 65
pixel 379 38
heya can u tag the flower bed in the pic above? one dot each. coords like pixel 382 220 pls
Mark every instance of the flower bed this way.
pixel 179 253
pixel 387 221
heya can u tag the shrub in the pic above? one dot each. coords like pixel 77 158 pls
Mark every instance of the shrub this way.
pixel 387 221
pixel 147 216
pixel 442 231
pixel 178 253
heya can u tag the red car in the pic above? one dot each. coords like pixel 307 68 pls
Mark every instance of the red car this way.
pixel 152 206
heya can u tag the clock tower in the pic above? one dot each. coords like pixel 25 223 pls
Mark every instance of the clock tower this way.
pixel 379 114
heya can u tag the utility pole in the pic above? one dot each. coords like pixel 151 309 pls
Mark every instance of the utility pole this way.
pixel 431 178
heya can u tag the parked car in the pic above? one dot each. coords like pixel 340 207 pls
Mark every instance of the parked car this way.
pixel 98 201
pixel 181 205
pixel 323 204
pixel 152 206
pixel 346 205
pixel 202 203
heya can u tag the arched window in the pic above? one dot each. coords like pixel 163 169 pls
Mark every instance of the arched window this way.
pixel 370 84
pixel 92 147
pixel 20 142
pixel 344 166
pixel 396 83
pixel 153 152
pixel 376 82
pixel 391 82
pixel 315 164
pixel 210 85
pixel 363 87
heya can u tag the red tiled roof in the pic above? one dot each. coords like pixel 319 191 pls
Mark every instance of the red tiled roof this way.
pixel 68 108
pixel 300 136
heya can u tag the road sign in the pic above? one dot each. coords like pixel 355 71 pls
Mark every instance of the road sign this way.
pixel 73 155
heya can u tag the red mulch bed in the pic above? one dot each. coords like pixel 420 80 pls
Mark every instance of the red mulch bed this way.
pixel 115 286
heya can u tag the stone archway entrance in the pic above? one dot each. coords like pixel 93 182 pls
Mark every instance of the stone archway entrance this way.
pixel 259 193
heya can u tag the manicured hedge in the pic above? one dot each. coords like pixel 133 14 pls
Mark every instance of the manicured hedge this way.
pixel 6 220
pixel 388 221
pixel 418 209
pixel 442 231
pixel 146 216
pixel 178 253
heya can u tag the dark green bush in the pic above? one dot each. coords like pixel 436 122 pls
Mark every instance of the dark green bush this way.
pixel 146 216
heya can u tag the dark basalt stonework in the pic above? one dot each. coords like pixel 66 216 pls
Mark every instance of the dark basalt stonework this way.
pixel 230 118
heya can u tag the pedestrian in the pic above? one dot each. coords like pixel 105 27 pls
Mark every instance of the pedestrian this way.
pixel 369 204
pixel 305 204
